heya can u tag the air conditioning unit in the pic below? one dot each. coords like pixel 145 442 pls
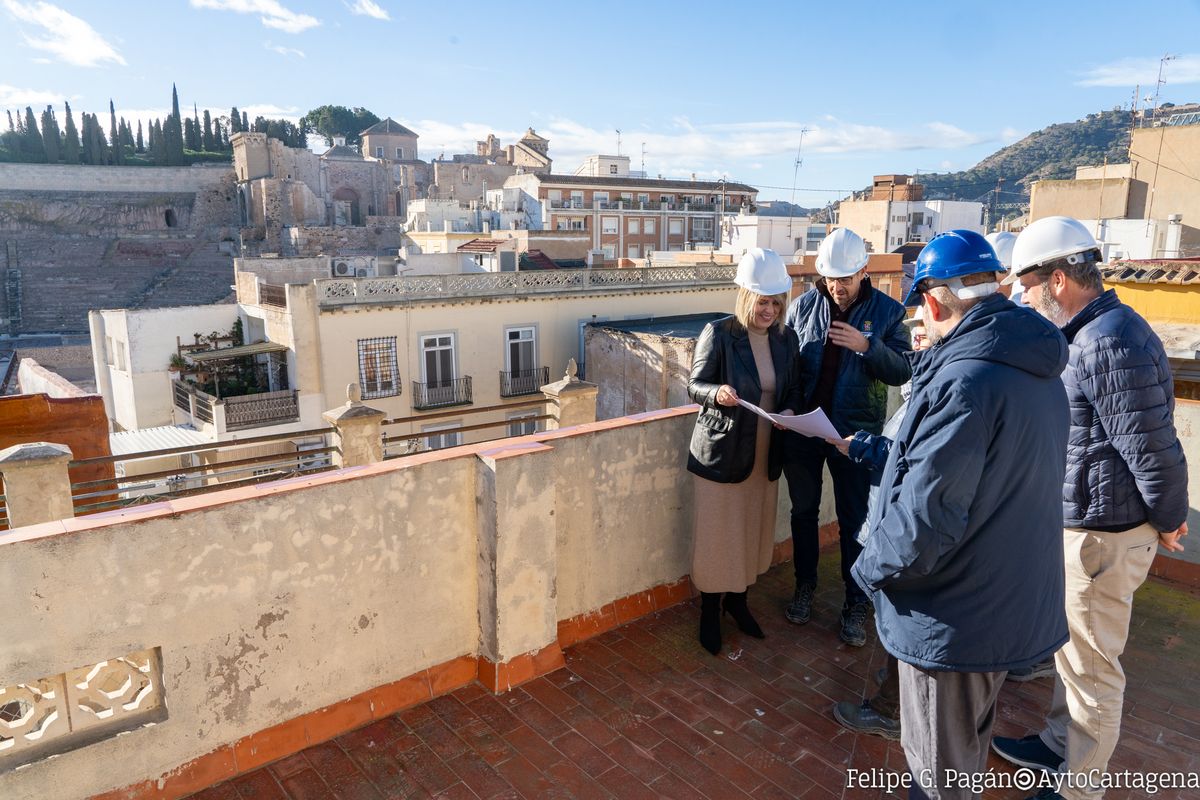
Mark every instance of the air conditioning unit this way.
pixel 353 267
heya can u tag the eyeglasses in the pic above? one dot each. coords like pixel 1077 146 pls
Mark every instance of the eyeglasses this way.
pixel 846 281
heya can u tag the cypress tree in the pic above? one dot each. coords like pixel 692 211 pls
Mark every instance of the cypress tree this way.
pixel 245 122
pixel 71 140
pixel 173 132
pixel 235 120
pixel 161 155
pixel 197 130
pixel 207 140
pixel 35 148
pixel 114 136
pixel 139 144
pixel 188 134
pixel 50 136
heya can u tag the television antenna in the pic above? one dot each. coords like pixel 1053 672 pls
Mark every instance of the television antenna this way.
pixel 795 179
pixel 1162 63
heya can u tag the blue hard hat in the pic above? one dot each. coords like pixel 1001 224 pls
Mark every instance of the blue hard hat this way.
pixel 952 254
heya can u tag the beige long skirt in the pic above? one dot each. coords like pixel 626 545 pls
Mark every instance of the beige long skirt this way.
pixel 734 524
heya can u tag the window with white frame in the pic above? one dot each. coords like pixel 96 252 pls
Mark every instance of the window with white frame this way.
pixel 377 371
pixel 448 437
pixel 576 198
pixel 634 251
pixel 437 360
pixel 608 225
pixel 610 251
pixel 520 349
pixel 635 225
pixel 599 197
pixel 702 229
pixel 379 152
pixel 675 227
pixel 648 226
pixel 521 424
pixel 554 194
pixel 577 224
pixel 643 197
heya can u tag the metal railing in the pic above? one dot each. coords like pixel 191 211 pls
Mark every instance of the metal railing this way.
pixel 269 294
pixel 402 444
pixel 256 410
pixel 241 411
pixel 435 394
pixel 350 291
pixel 523 381
pixel 181 480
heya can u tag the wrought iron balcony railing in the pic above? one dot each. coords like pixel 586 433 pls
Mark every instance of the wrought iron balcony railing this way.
pixel 523 381
pixel 436 394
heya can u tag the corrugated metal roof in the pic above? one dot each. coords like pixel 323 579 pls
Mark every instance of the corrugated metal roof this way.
pixel 234 352
pixel 168 436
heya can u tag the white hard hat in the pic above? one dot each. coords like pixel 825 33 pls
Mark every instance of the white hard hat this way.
pixel 762 271
pixel 1050 239
pixel 1002 242
pixel 842 253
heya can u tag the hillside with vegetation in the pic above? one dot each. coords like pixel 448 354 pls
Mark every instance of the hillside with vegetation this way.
pixel 1004 178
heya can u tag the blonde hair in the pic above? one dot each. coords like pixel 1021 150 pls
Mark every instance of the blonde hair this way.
pixel 743 307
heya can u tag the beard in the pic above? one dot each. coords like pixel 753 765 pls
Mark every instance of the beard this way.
pixel 1050 308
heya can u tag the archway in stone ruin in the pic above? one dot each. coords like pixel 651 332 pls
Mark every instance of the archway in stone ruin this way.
pixel 345 207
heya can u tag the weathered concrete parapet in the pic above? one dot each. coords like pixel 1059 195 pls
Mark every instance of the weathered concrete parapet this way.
pixel 570 400
pixel 37 487
pixel 518 565
pixel 358 431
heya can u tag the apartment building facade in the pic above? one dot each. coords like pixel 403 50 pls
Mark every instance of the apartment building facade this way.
pixel 630 217
pixel 896 212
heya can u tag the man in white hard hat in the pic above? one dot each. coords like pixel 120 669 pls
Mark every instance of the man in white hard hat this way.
pixel 1125 493
pixel 1002 242
pixel 853 345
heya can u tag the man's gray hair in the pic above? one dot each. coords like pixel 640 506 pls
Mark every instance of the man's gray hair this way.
pixel 1086 275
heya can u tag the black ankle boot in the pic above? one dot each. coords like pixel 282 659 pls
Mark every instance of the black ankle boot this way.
pixel 735 606
pixel 710 621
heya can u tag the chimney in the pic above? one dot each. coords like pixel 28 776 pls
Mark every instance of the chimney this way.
pixel 339 141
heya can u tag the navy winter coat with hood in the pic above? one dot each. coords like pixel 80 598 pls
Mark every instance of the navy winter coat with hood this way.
pixel 859 394
pixel 964 560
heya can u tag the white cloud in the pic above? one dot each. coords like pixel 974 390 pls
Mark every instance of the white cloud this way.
pixel 683 147
pixel 38 98
pixel 1130 72
pixel 367 8
pixel 64 35
pixel 271 13
pixel 283 51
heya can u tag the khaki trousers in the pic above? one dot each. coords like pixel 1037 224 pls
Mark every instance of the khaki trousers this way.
pixel 1103 571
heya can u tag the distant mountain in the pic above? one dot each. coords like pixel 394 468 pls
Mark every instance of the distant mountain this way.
pixel 1051 153
pixel 782 208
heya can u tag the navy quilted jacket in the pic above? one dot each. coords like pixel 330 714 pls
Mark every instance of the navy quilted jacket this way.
pixel 859 394
pixel 1125 465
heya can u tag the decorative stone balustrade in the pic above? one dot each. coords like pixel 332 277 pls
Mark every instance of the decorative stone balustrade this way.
pixel 351 291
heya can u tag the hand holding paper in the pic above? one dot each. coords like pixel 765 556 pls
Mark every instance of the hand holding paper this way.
pixel 814 423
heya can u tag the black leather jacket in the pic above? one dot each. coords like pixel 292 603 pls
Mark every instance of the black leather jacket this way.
pixel 723 441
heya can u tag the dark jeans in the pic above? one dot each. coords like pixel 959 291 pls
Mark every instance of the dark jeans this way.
pixel 851 488
pixel 886 701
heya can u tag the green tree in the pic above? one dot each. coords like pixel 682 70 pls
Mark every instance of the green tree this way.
pixel 235 120
pixel 189 136
pixel 139 144
pixel 198 139
pixel 114 135
pixel 331 121
pixel 173 132
pixel 51 138
pixel 206 137
pixel 34 148
pixel 10 140
pixel 71 145
pixel 222 141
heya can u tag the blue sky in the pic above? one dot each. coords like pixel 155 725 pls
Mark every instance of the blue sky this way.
pixel 710 88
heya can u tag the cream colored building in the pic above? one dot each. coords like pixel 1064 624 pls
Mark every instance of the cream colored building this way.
pixel 423 348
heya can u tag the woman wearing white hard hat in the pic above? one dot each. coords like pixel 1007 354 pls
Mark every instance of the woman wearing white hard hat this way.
pixel 735 454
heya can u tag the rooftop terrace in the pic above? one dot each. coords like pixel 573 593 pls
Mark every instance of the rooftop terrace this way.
pixel 642 711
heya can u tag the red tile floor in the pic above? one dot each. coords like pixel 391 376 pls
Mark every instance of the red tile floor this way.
pixel 642 711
